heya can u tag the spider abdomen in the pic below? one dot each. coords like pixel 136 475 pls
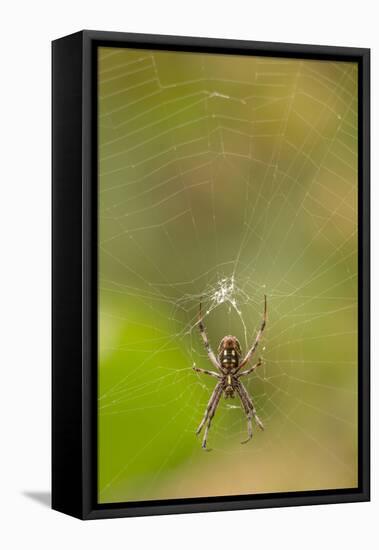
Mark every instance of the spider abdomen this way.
pixel 229 359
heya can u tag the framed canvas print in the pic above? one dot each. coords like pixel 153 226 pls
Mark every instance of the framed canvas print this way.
pixel 210 274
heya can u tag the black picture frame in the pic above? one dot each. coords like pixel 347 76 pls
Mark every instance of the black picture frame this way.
pixel 74 273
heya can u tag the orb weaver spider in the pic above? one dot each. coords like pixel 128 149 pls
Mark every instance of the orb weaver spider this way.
pixel 228 366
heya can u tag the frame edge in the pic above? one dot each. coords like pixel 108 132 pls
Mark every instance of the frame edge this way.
pixel 67 477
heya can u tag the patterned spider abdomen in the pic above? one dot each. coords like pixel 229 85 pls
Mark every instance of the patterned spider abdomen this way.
pixel 229 359
pixel 229 352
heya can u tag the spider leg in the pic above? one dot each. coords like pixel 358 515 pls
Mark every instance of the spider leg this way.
pixel 242 391
pixel 251 369
pixel 214 399
pixel 251 351
pixel 209 406
pixel 204 336
pixel 211 373
pixel 210 416
pixel 249 415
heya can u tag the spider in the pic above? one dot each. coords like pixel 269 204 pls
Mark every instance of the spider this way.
pixel 228 366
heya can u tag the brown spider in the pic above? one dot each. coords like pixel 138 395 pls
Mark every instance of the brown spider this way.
pixel 229 373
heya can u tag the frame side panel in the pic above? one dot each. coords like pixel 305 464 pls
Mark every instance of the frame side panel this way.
pixel 364 280
pixel 67 275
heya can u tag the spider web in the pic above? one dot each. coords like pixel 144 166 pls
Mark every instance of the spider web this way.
pixel 221 179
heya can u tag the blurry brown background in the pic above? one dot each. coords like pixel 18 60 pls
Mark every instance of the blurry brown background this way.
pixel 226 176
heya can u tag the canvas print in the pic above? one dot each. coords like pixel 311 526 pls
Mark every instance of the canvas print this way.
pixel 227 275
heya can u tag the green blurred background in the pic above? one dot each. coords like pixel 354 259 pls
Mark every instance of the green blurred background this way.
pixel 235 175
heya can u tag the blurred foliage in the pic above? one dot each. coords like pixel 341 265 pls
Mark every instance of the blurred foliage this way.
pixel 213 166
